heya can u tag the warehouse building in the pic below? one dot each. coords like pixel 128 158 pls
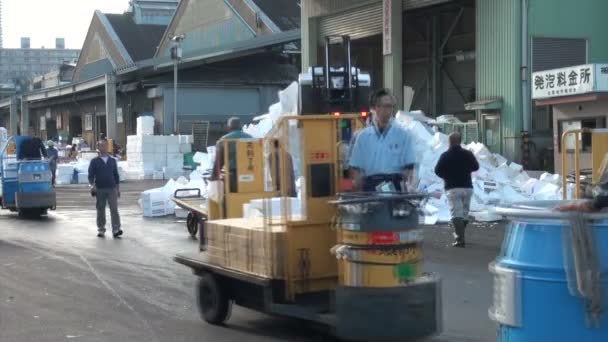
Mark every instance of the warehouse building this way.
pixel 470 58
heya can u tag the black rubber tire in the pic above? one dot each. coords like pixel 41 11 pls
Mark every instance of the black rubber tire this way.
pixel 192 225
pixel 30 214
pixel 213 302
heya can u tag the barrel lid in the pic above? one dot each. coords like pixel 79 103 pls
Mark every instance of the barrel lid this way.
pixel 543 210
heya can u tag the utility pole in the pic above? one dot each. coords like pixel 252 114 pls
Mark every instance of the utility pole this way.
pixel 176 55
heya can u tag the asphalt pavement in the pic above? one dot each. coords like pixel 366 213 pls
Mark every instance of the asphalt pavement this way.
pixel 59 282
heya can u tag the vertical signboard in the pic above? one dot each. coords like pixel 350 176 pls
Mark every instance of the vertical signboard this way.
pixel 387 27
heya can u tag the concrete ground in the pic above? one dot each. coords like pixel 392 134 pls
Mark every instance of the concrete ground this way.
pixel 59 282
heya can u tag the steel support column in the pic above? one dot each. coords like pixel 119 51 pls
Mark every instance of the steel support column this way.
pixel 111 107
pixel 14 116
pixel 310 32
pixel 393 62
pixel 25 117
pixel 436 62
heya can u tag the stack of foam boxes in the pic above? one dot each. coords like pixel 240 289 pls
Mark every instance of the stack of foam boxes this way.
pixel 156 157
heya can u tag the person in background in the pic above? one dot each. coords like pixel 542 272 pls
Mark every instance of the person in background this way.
pixel 53 156
pixel 235 132
pixel 383 151
pixel 455 167
pixel 104 182
pixel 73 152
pixel 291 184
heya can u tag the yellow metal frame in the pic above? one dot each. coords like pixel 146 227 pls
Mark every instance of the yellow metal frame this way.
pixel 599 157
pixel 309 266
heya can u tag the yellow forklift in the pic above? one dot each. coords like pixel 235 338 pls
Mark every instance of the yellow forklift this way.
pixel 348 262
pixel 584 186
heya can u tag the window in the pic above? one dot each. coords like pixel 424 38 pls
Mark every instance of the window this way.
pixel 565 125
pixel 542 119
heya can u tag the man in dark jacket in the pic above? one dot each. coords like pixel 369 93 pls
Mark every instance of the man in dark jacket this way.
pixel 104 181
pixel 32 148
pixel 455 167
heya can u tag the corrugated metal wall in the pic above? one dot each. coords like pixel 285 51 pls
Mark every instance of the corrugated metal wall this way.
pixel 361 22
pixel 414 4
pixel 499 63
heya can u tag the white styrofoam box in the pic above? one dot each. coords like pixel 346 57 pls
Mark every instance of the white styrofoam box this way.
pixel 63 179
pixel 186 139
pixel 175 160
pixel 145 125
pixel 147 157
pixel 275 207
pixel 172 140
pixel 172 148
pixel 155 212
pixel 185 148
pixel 181 213
pixel 154 198
pixel 160 148
pixel 65 169
pixel 83 178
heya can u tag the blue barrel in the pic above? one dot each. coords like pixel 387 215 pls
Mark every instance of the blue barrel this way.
pixel 532 300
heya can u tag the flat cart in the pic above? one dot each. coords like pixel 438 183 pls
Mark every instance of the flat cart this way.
pixel 401 305
pixel 196 205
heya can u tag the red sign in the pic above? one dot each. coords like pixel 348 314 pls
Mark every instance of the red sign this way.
pixel 319 156
pixel 383 238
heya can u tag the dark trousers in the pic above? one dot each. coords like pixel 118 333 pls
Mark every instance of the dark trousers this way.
pixel 109 197
pixel 372 182
pixel 53 172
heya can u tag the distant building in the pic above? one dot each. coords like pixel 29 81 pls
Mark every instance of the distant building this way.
pixel 153 12
pixel 18 67
pixel 59 76
pixel 25 42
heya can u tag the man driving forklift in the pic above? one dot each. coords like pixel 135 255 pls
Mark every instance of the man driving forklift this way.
pixel 383 151
pixel 235 132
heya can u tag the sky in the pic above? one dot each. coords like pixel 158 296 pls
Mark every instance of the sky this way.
pixel 45 20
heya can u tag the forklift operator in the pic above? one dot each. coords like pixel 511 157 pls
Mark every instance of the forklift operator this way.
pixel 383 151
pixel 235 131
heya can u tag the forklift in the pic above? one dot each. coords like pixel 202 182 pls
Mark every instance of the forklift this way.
pixel 348 263
pixel 25 185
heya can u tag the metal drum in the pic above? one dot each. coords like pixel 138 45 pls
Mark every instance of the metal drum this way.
pixel 551 277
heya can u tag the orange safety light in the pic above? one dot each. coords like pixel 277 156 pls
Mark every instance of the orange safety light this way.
pixel 336 113
pixel 364 114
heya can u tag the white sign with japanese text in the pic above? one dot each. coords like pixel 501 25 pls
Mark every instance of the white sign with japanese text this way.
pixel 119 118
pixel 576 80
pixel 387 27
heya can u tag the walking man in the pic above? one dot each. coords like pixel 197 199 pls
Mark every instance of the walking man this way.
pixel 53 156
pixel 455 167
pixel 383 151
pixel 104 183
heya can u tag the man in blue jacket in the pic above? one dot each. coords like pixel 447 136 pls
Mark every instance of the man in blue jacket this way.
pixel 104 182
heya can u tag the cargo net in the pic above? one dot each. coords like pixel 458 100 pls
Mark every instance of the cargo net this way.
pixel 582 266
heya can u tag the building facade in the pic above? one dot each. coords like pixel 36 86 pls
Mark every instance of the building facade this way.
pixel 470 58
pixel 19 66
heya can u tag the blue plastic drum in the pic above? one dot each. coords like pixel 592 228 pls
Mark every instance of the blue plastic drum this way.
pixel 532 298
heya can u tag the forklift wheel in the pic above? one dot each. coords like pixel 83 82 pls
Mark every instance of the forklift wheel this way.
pixel 192 224
pixel 213 303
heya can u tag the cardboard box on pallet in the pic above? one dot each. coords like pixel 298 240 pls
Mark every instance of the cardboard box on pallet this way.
pixel 246 246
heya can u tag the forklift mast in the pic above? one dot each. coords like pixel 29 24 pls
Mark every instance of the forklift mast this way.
pixel 332 89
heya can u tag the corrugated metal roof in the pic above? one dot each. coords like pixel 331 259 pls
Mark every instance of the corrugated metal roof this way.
pixel 140 41
pixel 285 13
